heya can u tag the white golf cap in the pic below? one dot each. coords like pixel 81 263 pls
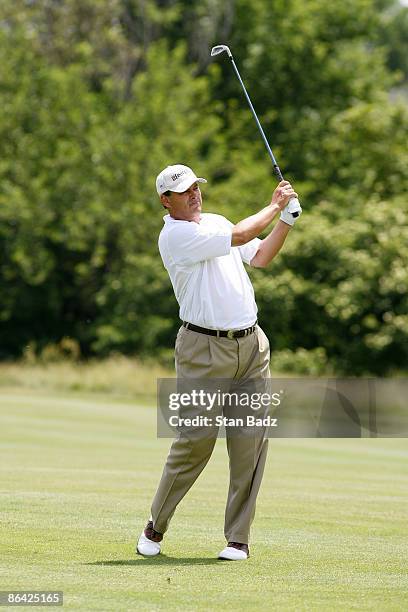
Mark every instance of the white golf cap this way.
pixel 176 178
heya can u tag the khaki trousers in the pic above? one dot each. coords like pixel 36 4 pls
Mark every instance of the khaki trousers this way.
pixel 238 359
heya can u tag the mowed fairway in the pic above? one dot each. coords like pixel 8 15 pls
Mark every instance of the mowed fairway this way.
pixel 77 477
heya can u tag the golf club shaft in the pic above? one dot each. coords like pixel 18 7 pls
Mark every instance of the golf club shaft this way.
pixel 276 168
pixel 293 205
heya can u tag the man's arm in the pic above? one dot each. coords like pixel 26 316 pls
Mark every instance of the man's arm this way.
pixel 252 226
pixel 271 245
pixel 249 228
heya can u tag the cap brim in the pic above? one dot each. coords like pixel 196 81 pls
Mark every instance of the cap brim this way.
pixel 187 183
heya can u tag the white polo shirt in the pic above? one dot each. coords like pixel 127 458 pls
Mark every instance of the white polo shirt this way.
pixel 208 277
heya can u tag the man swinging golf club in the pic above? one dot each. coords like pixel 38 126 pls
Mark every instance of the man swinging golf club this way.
pixel 219 338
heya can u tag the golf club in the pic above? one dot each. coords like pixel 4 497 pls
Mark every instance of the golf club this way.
pixel 293 207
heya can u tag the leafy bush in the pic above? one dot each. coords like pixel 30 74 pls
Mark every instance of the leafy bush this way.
pixel 97 99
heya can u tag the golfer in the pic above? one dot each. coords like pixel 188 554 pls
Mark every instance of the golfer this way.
pixel 219 338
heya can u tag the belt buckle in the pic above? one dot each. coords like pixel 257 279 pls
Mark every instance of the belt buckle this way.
pixel 230 334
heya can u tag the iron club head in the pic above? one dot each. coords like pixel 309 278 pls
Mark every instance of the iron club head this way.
pixel 220 49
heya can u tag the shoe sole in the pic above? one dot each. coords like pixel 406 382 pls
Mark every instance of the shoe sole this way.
pixel 147 556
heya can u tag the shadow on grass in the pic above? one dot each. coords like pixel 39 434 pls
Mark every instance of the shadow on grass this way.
pixel 160 560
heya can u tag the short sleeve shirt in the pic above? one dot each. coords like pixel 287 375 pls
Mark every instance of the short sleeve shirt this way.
pixel 209 279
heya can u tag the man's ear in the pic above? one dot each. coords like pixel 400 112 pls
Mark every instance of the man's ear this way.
pixel 164 200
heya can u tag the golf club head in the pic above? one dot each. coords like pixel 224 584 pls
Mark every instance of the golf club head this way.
pixel 220 49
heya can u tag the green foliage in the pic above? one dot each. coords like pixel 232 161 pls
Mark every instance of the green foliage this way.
pixel 98 96
pixel 52 222
pixel 364 151
pixel 78 189
pixel 393 35
pixel 342 285
pixel 311 362
pixel 305 63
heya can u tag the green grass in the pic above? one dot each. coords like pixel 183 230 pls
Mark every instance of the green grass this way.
pixel 77 476
pixel 116 375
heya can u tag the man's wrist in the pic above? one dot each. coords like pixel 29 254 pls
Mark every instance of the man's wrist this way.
pixel 275 208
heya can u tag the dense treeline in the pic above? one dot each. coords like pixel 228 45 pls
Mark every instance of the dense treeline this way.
pixel 96 96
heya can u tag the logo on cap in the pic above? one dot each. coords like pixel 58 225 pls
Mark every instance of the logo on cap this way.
pixel 174 177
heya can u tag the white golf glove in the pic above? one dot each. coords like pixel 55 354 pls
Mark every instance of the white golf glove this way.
pixel 292 206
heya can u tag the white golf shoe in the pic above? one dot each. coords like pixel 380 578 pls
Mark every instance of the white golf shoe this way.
pixel 149 543
pixel 234 552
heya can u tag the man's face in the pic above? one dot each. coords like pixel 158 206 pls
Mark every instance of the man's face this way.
pixel 185 206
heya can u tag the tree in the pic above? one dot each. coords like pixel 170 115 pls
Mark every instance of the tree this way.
pixel 341 285
pixel 98 96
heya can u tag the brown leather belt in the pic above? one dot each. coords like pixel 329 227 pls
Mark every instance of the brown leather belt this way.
pixel 221 333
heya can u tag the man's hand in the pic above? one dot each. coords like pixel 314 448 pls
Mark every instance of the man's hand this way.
pixel 282 194
pixel 252 226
